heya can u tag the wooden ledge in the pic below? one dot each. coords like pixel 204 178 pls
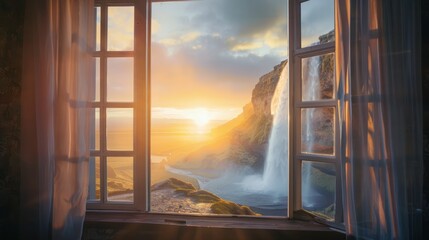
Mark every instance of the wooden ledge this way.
pixel 132 225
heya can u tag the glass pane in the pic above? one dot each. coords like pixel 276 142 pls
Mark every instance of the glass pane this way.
pixel 317 22
pixel 97 28
pixel 318 188
pixel 94 179
pixel 119 128
pixel 95 129
pixel 120 185
pixel 120 79
pixel 318 77
pixel 317 130
pixel 120 29
pixel 218 75
pixel 97 80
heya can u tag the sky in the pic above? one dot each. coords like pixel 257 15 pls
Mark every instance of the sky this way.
pixel 214 50
pixel 209 54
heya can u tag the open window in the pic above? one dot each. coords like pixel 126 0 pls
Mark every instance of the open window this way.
pixel 316 162
pixel 215 107
pixel 218 74
pixel 117 177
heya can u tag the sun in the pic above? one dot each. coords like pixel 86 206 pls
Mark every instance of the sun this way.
pixel 201 117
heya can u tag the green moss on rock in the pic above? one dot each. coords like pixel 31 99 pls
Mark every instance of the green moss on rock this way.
pixel 227 207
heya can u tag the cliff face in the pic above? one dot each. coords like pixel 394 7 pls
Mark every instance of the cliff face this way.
pixel 243 140
pixel 263 92
pixel 251 137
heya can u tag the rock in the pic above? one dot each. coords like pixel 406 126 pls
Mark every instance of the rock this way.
pixel 263 92
pixel 176 196
pixel 227 207
pixel 173 183
pixel 328 37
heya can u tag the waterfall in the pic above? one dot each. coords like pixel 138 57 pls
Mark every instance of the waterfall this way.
pixel 310 92
pixel 275 178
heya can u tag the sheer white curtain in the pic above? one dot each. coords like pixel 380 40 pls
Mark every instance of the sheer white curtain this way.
pixel 56 88
pixel 381 117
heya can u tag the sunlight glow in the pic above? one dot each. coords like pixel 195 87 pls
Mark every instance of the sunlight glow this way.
pixel 201 117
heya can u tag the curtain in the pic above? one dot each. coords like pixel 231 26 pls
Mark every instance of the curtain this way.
pixel 378 74
pixel 56 88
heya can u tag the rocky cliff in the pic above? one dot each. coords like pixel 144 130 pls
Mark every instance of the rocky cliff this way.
pixel 243 140
pixel 263 92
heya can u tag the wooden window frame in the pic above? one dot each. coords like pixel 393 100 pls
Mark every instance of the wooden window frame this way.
pixel 140 106
pixel 142 113
pixel 296 54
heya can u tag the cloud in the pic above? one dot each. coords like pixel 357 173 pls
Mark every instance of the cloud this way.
pixel 184 38
pixel 212 53
pixel 317 18
pixel 248 18
pixel 120 32
pixel 120 74
pixel 245 46
pixel 189 113
pixel 170 42
pixel 249 25
pixel 190 36
pixel 276 37
pixel 154 26
pixel 208 75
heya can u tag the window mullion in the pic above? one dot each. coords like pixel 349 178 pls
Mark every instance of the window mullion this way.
pixel 103 90
pixel 315 50
pixel 292 46
pixel 142 105
pixel 297 200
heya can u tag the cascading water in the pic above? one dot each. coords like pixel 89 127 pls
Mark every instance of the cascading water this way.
pixel 277 161
pixel 311 92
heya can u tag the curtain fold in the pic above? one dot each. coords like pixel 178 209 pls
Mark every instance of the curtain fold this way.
pixel 378 74
pixel 56 90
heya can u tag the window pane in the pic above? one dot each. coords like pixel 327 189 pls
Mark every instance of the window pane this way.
pixel 318 77
pixel 218 74
pixel 120 185
pixel 119 128
pixel 97 28
pixel 317 130
pixel 95 129
pixel 120 79
pixel 318 188
pixel 317 20
pixel 97 80
pixel 94 179
pixel 120 29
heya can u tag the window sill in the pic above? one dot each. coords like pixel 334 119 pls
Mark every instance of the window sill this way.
pixel 133 225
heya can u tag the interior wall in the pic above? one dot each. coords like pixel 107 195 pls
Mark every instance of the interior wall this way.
pixel 11 33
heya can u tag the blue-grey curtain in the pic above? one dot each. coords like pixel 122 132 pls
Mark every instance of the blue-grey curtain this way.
pixel 378 74
pixel 56 88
